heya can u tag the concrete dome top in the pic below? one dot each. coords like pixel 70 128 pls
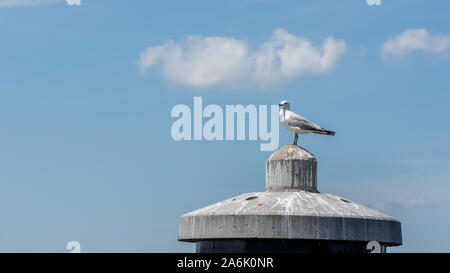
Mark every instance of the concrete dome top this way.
pixel 290 215
pixel 291 152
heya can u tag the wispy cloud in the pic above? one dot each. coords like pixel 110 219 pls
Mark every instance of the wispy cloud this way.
pixel 373 2
pixel 416 40
pixel 409 204
pixel 25 3
pixel 216 61
pixel 73 2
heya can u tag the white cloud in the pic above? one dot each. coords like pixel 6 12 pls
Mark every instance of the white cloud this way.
pixel 416 40
pixel 227 62
pixel 73 2
pixel 24 3
pixel 373 2
pixel 409 204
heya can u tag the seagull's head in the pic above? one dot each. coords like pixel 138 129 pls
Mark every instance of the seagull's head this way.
pixel 285 105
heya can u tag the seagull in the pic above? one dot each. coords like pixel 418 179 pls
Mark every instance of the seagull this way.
pixel 298 124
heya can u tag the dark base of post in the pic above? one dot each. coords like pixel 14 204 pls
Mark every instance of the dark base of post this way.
pixel 281 246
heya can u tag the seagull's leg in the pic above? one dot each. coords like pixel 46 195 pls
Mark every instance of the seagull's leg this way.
pixel 295 139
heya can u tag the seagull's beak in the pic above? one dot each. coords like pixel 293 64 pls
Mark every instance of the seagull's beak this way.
pixel 280 105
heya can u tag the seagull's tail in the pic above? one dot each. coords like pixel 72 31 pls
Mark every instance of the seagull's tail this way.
pixel 325 132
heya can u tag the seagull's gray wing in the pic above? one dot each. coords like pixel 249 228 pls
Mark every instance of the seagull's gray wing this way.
pixel 298 121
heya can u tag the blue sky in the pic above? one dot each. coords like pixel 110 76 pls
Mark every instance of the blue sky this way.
pixel 86 150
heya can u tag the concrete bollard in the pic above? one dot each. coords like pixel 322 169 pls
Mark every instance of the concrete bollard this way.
pixel 290 216
pixel 291 168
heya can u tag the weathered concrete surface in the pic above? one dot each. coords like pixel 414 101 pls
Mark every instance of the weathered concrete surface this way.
pixel 291 168
pixel 291 209
pixel 289 215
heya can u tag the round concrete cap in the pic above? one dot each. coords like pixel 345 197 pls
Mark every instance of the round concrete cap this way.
pixel 290 215
pixel 291 152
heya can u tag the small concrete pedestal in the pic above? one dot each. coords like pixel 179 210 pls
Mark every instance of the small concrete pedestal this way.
pixel 290 216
